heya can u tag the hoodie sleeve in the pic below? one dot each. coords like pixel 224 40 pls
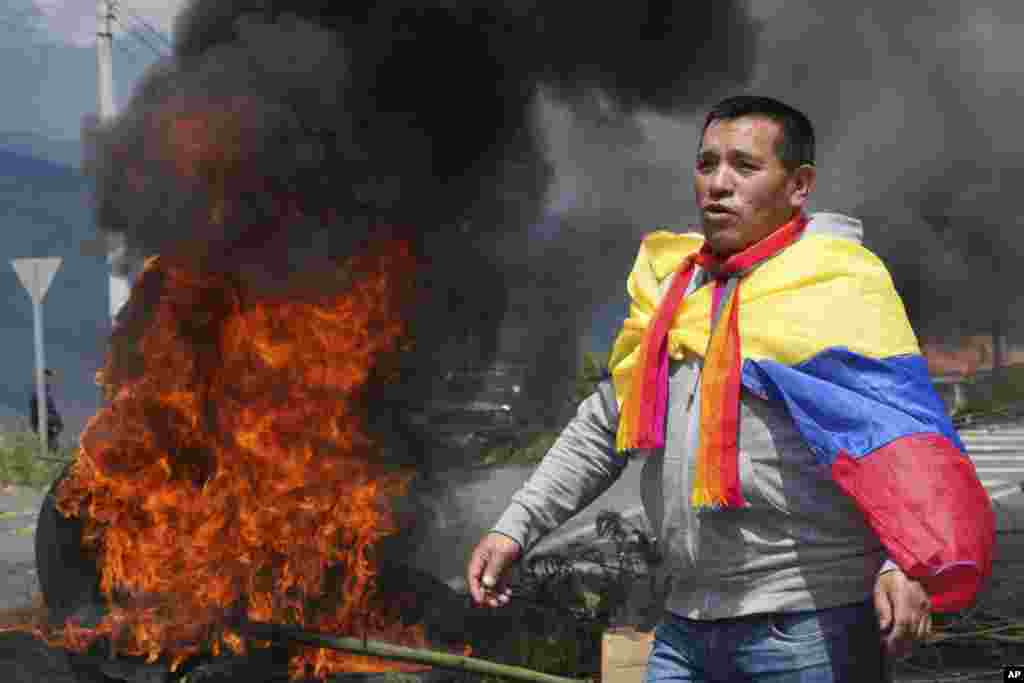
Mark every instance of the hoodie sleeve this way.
pixel 581 465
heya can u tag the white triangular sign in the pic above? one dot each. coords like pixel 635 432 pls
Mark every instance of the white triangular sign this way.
pixel 36 274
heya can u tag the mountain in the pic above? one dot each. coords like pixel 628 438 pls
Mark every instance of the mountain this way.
pixel 45 212
pixel 63 152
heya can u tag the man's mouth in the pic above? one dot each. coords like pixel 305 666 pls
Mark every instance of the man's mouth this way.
pixel 717 209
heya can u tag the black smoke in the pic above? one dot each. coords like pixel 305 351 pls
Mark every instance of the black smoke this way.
pixel 916 114
pixel 422 115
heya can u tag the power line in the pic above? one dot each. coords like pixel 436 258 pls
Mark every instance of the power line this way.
pixel 128 31
pixel 146 24
pixel 137 36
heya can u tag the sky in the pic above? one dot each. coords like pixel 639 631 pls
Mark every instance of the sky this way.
pixel 48 60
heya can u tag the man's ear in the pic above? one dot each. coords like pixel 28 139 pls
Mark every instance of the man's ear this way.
pixel 802 184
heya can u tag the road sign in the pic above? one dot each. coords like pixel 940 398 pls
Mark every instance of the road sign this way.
pixel 36 274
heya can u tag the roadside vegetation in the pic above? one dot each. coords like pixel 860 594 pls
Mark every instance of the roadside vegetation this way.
pixel 21 464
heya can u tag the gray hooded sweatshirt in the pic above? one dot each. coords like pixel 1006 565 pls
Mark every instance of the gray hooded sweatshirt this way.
pixel 801 543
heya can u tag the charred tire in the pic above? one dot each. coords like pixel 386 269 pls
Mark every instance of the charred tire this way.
pixel 69 579
pixel 68 576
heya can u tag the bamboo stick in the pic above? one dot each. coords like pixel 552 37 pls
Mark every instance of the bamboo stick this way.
pixel 377 648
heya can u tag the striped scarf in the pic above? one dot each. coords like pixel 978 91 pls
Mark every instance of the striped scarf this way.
pixel 642 424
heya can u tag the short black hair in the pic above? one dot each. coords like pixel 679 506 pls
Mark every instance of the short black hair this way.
pixel 796 147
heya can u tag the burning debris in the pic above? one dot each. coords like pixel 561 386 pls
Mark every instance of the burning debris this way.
pixel 254 438
pixel 232 467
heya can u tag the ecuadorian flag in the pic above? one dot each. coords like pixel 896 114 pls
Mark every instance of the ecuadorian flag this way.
pixel 824 332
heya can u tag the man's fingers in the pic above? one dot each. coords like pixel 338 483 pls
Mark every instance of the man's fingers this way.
pixel 904 627
pixel 488 584
pixel 883 608
pixel 900 630
pixel 479 567
pixel 924 628
pixel 921 628
pixel 473 577
pixel 497 599
pixel 487 567
pixel 908 626
pixel 903 611
pixel 904 632
pixel 499 594
pixel 897 643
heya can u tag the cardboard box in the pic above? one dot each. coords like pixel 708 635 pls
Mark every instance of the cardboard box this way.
pixel 624 653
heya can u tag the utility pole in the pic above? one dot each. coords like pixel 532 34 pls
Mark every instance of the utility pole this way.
pixel 120 286
pixel 105 70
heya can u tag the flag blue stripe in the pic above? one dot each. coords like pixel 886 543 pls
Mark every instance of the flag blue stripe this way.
pixel 842 401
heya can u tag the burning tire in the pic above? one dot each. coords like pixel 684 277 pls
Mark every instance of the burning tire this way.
pixel 70 582
pixel 68 576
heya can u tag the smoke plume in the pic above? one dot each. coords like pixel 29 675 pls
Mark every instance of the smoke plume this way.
pixel 916 119
pixel 281 136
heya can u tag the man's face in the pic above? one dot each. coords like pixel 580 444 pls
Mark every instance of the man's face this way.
pixel 743 191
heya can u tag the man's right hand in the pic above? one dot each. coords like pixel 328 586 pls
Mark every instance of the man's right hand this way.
pixel 493 555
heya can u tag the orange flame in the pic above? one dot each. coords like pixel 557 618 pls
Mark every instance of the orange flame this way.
pixel 232 467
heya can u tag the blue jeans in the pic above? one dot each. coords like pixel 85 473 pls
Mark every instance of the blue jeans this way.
pixel 818 646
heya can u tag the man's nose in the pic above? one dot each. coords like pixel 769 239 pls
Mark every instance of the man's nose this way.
pixel 720 182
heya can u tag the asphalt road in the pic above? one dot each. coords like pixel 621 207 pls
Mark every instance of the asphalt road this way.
pixel 998 455
pixel 19 508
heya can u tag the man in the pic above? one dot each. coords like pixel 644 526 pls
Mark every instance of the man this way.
pixel 812 499
pixel 54 423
